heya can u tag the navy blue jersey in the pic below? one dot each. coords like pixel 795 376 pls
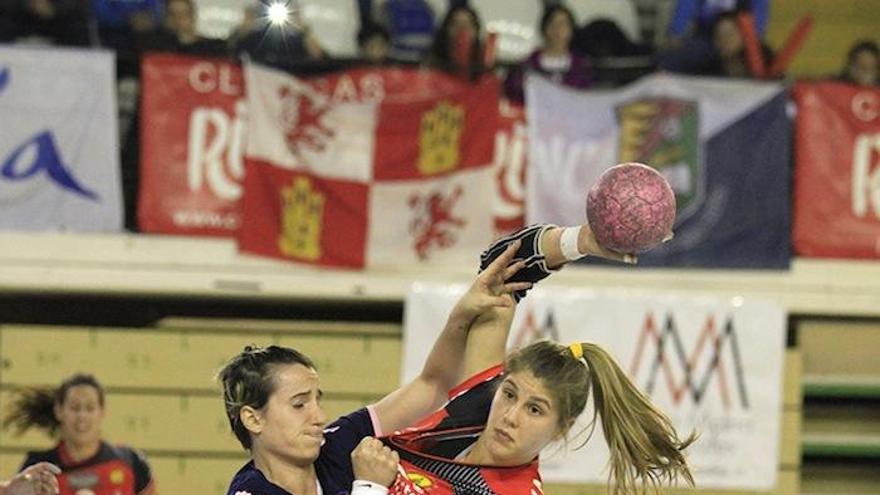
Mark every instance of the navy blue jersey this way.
pixel 114 470
pixel 333 466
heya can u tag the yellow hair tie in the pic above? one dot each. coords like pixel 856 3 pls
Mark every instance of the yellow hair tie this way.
pixel 577 350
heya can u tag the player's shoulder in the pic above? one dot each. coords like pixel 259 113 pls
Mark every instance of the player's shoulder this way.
pixel 35 456
pixel 127 453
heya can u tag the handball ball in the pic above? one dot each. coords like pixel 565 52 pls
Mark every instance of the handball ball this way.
pixel 631 208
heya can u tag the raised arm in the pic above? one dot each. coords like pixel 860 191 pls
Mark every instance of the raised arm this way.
pixel 443 367
pixel 541 250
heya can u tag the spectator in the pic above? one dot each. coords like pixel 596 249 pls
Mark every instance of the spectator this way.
pixel 374 43
pixel 729 57
pixel 862 64
pixel 555 59
pixel 179 35
pixel 75 411
pixel 62 22
pixel 118 19
pixel 120 23
pixel 690 31
pixel 449 50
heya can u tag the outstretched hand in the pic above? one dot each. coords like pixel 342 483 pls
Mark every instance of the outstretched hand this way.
pixel 491 288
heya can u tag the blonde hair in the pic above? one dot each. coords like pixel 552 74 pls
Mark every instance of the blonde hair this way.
pixel 646 451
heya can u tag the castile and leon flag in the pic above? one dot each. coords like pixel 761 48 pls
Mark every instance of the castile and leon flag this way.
pixel 359 170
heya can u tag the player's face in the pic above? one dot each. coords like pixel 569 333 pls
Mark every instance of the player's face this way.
pixel 80 415
pixel 292 420
pixel 522 420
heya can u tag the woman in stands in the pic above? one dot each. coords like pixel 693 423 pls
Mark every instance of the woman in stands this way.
pixel 555 60
pixel 89 465
pixel 457 48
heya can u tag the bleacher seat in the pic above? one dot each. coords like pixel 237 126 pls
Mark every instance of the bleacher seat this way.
pixel 335 23
pixel 623 12
pixel 411 24
pixel 516 22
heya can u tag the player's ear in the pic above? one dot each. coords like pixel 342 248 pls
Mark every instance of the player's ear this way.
pixel 252 419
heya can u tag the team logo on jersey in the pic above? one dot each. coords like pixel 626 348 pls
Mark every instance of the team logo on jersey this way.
pixel 420 480
pixel 79 481
pixel 301 218
pixel 664 132
pixel 439 138
pixel 434 225
pixel 117 476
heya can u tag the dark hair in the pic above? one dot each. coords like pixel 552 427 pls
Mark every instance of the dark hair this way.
pixel 730 15
pixel 439 55
pixel 35 407
pixel 862 46
pixel 248 379
pixel 370 29
pixel 644 445
pixel 548 15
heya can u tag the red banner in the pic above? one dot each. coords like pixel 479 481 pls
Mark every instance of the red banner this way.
pixel 837 171
pixel 192 137
pixel 511 158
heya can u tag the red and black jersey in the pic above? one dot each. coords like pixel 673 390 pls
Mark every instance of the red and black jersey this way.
pixel 428 449
pixel 114 470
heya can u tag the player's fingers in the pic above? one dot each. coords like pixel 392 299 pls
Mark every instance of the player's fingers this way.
pixel 504 259
pixel 513 269
pixel 395 457
pixel 512 287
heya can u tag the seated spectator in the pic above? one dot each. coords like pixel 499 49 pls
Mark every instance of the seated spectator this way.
pixel 411 27
pixel 555 59
pixel 179 35
pixel 62 22
pixel 689 42
pixel 374 44
pixel 862 64
pixel 285 45
pixel 450 51
pixel 120 23
pixel 729 57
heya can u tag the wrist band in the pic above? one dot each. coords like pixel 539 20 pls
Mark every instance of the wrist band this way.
pixel 364 487
pixel 568 243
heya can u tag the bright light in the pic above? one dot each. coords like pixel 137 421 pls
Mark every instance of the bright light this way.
pixel 278 13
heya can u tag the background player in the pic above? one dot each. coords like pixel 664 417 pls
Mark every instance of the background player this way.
pixel 75 411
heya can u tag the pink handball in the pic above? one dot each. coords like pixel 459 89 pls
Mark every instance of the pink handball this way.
pixel 631 208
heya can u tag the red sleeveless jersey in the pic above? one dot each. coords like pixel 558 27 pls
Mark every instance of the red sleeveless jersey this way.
pixel 428 449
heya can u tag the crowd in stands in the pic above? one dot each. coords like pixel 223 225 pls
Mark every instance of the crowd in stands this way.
pixel 704 37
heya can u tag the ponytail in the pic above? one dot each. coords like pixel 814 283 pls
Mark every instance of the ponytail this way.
pixel 645 448
pixel 32 408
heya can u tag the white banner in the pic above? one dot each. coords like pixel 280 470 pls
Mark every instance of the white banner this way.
pixel 59 151
pixel 714 365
